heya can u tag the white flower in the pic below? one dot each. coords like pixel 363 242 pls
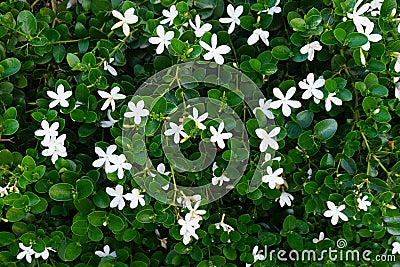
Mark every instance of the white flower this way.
pixel 163 39
pixel 55 148
pixel 332 99
pixel 268 157
pixel 60 97
pixel 176 131
pixel 274 10
pixel 163 241
pixel 264 106
pixel 199 30
pixel 285 198
pixel 189 226
pixel 311 87
pixel 267 139
pixel 357 16
pixel 396 247
pixel 310 49
pixel 26 253
pixel 106 252
pixel 219 180
pixel 363 203
pixel 199 119
pixel 111 97
pixel 194 212
pixel 257 35
pixel 110 68
pixel 137 111
pixel 187 200
pixel 3 191
pixel 119 165
pixel 160 170
pixel 110 122
pixel 257 255
pixel 72 3
pixel 320 238
pixel 397 64
pixel 397 90
pixel 233 19
pixel 135 197
pixel 372 37
pixel 335 212
pixel 376 6
pixel 223 225
pixel 129 17
pixel 218 136
pixel 47 131
pixel 118 199
pixel 105 157
pixel 215 52
pixel 45 253
pixel 285 101
pixel 273 177
pixel 170 15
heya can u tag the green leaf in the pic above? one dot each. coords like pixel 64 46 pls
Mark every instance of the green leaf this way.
pixel 61 192
pixel 59 52
pixel 28 20
pixel 357 39
pixel 387 7
pixel 326 129
pixel 145 216
pixel 281 52
pixel 290 223
pixel 9 66
pixel 84 188
pixel 328 38
pixel 295 241
pixel 6 238
pixel 72 60
pixel 376 65
pixel 298 24
pixel 69 250
pixel 10 126
pixel 178 46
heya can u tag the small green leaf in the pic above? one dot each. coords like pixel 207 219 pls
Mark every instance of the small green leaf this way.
pixel 28 20
pixel 61 192
pixel 326 129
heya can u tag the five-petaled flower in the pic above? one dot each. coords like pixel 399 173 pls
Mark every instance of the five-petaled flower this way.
pixel 215 52
pixel 137 111
pixel 285 101
pixel 135 198
pixel 105 157
pixel 177 131
pixel 267 139
pixel 169 15
pixel 310 49
pixel 396 247
pixel 119 165
pixel 163 39
pixel 48 131
pixel 111 97
pixel 199 119
pixel 233 19
pixel 331 98
pixel 273 178
pixel 26 253
pixel 118 194
pixel 257 35
pixel 199 30
pixel 335 212
pixel 105 252
pixel 285 199
pixel 128 18
pixel 363 203
pixel 311 86
pixel 219 137
pixel 264 106
pixel 60 97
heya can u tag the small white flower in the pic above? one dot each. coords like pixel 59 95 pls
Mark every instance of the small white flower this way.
pixel 285 101
pixel 320 238
pixel 372 37
pixel 310 49
pixel 55 148
pixel 129 17
pixel 274 10
pixel 3 191
pixel 268 157
pixel 199 30
pixel 233 19
pixel 163 241
pixel 188 229
pixel 199 119
pixel 187 200
pixel 26 253
pixel 257 255
pixel 285 199
pixel 219 137
pixel 106 252
pixel 335 212
pixel 219 180
pixel 47 131
pixel 332 99
pixel 60 97
pixel 170 15
pixel 110 122
pixel 71 3
pixel 397 64
pixel 224 226
pixel 376 6
pixel 273 178
pixel 105 157
pixel 110 68
pixel 397 90
pixel 45 253
pixel 135 197
pixel 257 35
pixel 177 131
pixel 264 106
pixel 163 39
pixel 120 165
pixel 267 139
pixel 118 199
pixel 363 203
pixel 111 97
pixel 215 52
pixel 357 16
pixel 396 248
pixel 137 111
pixel 194 212
pixel 160 170
pixel 311 87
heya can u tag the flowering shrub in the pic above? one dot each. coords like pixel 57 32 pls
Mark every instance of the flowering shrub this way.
pixel 308 109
